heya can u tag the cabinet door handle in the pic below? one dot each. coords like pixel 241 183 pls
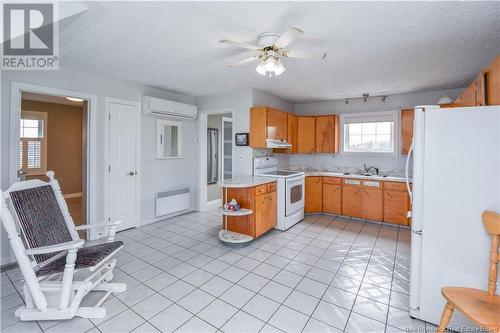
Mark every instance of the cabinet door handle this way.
pixel 338 188
pixel 388 194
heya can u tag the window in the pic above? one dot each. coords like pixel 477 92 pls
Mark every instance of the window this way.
pixel 33 142
pixel 370 133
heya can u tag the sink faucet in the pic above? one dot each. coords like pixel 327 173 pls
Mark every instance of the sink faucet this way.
pixel 368 169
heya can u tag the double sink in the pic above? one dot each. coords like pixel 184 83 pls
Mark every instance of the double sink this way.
pixel 364 174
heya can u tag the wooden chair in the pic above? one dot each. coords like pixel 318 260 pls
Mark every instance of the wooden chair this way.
pixel 49 253
pixel 482 307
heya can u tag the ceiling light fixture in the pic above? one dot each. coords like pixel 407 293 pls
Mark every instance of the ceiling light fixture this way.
pixel 270 66
pixel 365 97
pixel 74 99
pixel 445 99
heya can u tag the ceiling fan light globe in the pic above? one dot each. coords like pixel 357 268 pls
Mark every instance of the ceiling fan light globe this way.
pixel 279 69
pixel 269 65
pixel 260 69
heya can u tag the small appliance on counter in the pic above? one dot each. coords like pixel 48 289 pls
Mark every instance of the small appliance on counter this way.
pixel 291 190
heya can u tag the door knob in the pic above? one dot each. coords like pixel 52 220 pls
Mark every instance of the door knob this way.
pixel 131 173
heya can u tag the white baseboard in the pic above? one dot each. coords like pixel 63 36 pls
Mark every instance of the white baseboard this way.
pixel 216 202
pixel 161 218
pixel 73 195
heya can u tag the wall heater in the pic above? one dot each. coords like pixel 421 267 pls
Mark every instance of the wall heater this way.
pixel 172 201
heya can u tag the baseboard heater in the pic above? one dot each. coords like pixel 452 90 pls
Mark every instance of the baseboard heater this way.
pixel 172 201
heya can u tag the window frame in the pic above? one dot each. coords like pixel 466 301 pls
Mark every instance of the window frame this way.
pixel 34 115
pixel 383 115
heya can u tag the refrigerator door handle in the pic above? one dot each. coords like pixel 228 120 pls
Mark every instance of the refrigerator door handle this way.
pixel 407 167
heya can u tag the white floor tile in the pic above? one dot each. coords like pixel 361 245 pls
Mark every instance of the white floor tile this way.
pixel 261 307
pixel 288 320
pixel 242 322
pixel 217 313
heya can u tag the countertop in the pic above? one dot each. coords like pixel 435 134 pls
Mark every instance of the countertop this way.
pixel 388 178
pixel 249 181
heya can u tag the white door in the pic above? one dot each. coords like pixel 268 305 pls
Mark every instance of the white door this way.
pixel 123 162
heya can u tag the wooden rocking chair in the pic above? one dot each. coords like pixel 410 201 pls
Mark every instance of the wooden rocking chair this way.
pixel 482 307
pixel 49 252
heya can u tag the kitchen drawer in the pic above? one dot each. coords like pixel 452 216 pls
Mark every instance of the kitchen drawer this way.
pixel 332 180
pixel 395 186
pixel 261 189
pixel 272 187
pixel 372 183
pixel 352 182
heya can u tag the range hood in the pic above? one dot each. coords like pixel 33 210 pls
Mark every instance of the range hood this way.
pixel 277 144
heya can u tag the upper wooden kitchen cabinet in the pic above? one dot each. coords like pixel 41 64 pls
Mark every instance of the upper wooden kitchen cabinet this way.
pixel 267 123
pixel 332 195
pixel 292 135
pixel 306 135
pixel 406 130
pixel 327 134
pixel 277 126
pixel 313 195
pixel 492 82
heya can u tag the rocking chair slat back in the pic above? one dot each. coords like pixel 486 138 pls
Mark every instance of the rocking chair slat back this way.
pixel 40 218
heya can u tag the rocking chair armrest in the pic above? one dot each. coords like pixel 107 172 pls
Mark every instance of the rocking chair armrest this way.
pixel 97 225
pixel 55 248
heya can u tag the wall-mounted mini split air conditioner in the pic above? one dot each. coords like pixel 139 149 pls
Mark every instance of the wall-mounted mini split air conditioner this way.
pixel 163 107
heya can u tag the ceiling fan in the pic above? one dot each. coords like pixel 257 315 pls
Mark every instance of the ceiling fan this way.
pixel 270 49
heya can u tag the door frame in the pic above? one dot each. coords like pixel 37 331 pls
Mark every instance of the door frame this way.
pixel 202 135
pixel 16 90
pixel 137 106
pixel 226 120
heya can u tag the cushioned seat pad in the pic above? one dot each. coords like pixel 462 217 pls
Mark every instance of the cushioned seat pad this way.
pixel 86 257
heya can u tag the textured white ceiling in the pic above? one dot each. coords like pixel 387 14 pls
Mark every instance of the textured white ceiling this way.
pixel 373 47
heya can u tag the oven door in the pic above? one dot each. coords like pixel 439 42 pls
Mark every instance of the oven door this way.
pixel 294 194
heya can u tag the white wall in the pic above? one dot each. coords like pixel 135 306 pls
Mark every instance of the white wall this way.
pixel 156 174
pixel 240 101
pixel 393 102
pixel 261 98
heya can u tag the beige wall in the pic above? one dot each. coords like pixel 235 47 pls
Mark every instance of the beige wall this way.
pixel 64 142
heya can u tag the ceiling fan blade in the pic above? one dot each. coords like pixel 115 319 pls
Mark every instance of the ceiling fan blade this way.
pixel 304 54
pixel 244 61
pixel 238 44
pixel 289 36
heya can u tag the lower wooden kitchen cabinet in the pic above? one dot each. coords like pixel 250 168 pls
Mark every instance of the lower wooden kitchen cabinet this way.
pixel 314 195
pixel 332 195
pixel 372 200
pixel 396 203
pixel 352 198
pixel 262 200
pixel 372 205
pixel 265 212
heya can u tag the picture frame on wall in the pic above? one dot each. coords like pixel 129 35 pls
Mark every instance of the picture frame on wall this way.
pixel 241 139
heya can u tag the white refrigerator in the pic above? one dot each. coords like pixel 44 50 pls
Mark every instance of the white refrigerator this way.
pixel 455 159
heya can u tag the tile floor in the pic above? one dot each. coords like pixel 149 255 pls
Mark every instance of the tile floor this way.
pixel 326 274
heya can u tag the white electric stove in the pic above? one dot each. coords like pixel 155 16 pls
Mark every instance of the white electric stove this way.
pixel 291 187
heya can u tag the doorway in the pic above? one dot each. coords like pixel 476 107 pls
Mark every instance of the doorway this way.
pixel 219 154
pixel 53 136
